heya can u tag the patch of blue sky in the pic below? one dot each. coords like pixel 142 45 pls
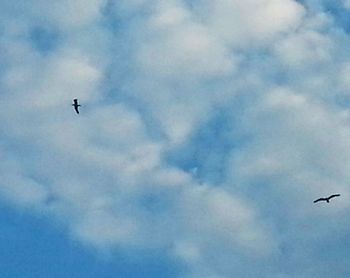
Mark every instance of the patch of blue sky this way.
pixel 334 8
pixel 339 14
pixel 207 152
pixel 306 256
pixel 44 39
pixel 33 247
pixel 118 16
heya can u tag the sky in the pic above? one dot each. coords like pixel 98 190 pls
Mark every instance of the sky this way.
pixel 207 128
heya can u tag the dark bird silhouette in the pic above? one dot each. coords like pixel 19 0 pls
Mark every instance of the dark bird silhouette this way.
pixel 327 198
pixel 76 105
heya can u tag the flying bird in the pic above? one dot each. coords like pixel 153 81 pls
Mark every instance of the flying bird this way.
pixel 76 105
pixel 327 198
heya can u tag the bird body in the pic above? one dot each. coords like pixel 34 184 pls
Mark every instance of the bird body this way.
pixel 76 105
pixel 326 198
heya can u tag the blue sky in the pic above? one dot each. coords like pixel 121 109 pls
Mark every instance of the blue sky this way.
pixel 34 247
pixel 207 129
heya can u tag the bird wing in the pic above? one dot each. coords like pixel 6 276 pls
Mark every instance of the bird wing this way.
pixel 76 109
pixel 334 195
pixel 320 199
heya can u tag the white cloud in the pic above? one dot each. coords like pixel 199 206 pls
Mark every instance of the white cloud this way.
pixel 216 213
pixel 344 78
pixel 301 146
pixel 26 192
pixel 176 44
pixel 307 49
pixel 252 22
pixel 347 4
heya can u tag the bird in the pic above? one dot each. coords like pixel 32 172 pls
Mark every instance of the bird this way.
pixel 327 198
pixel 76 105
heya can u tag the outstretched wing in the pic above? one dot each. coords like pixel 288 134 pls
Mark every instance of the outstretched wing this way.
pixel 76 108
pixel 334 195
pixel 320 199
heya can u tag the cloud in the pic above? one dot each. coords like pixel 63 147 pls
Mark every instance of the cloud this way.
pixel 206 130
pixel 251 22
pixel 27 192
pixel 347 4
pixel 299 50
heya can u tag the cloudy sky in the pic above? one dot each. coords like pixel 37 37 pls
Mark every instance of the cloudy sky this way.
pixel 207 128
